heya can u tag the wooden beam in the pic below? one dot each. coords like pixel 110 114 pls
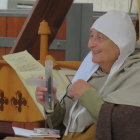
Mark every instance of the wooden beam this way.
pixel 52 11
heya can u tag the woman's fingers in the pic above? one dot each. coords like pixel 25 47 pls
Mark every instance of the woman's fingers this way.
pixel 40 95
pixel 41 89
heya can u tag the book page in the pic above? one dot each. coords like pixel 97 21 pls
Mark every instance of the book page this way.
pixel 31 133
pixel 27 68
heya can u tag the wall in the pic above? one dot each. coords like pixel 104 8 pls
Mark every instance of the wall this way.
pixel 107 5
pixel 10 28
pixel 11 23
pixel 98 5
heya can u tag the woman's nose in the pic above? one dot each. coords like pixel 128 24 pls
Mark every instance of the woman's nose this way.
pixel 92 43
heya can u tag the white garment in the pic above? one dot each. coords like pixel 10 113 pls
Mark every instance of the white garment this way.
pixel 118 27
pixel 86 69
pixel 84 72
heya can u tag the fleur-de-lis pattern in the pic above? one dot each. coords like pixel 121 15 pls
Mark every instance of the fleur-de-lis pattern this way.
pixel 3 100
pixel 18 101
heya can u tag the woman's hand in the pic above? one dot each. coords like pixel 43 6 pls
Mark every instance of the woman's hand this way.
pixel 40 95
pixel 78 88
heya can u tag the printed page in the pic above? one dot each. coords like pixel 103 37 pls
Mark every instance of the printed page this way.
pixel 29 70
pixel 26 67
pixel 31 133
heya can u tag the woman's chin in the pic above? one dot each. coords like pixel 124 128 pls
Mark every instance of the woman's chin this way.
pixel 95 61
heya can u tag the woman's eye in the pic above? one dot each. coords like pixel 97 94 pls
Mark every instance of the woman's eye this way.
pixel 100 38
pixel 91 36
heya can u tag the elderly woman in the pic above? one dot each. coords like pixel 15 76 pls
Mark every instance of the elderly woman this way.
pixel 106 88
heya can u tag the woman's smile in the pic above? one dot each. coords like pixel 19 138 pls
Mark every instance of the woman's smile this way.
pixel 96 52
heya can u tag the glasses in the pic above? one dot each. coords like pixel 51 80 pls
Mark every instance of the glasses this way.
pixel 66 95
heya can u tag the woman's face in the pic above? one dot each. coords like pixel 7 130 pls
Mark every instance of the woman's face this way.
pixel 104 50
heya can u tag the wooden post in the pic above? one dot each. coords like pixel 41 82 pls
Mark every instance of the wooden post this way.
pixel 44 31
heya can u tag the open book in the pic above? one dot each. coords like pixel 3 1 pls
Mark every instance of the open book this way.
pixel 37 132
pixel 27 67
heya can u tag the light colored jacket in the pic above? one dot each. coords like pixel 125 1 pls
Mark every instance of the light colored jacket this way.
pixel 123 88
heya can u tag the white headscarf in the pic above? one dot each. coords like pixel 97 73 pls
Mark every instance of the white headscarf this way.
pixel 118 27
